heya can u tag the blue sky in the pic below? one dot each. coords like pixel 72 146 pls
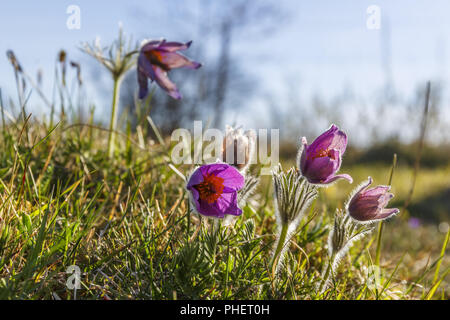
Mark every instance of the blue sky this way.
pixel 324 45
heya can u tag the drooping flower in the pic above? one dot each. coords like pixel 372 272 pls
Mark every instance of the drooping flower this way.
pixel 238 147
pixel 320 161
pixel 156 58
pixel 213 190
pixel 368 205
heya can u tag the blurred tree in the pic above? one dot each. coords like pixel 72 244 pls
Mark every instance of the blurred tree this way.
pixel 221 31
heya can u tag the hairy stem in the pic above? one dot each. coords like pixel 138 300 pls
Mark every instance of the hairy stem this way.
pixel 280 246
pixel 328 272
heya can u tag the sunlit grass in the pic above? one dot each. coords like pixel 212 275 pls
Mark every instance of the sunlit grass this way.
pixel 124 221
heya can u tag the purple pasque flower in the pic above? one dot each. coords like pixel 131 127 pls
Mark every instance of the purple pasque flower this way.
pixel 156 59
pixel 368 205
pixel 213 190
pixel 320 161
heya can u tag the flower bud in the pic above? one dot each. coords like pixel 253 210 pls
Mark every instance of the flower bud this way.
pixel 368 205
pixel 238 147
pixel 292 195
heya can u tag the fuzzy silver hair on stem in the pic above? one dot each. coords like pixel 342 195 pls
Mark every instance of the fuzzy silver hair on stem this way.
pixel 251 182
pixel 343 234
pixel 292 196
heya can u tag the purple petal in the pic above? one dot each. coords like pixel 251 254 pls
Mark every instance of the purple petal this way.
pixel 377 191
pixel 386 213
pixel 195 194
pixel 333 138
pixel 195 179
pixel 227 204
pixel 364 209
pixel 143 85
pixel 174 60
pixel 174 46
pixel 209 210
pixel 232 178
pixel 164 82
pixel 339 176
pixel 214 168
pixel 320 169
pixel 384 199
pixel 146 67
pixel 364 185
pixel 339 142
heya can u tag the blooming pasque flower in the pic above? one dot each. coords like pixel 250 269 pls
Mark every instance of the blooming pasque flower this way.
pixel 214 188
pixel 156 58
pixel 320 160
pixel 367 205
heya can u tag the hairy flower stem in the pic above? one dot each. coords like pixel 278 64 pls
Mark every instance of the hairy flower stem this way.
pixel 293 194
pixel 328 272
pixel 113 121
pixel 281 244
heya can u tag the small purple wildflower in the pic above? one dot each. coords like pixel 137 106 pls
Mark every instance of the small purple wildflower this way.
pixel 213 189
pixel 368 205
pixel 156 58
pixel 320 161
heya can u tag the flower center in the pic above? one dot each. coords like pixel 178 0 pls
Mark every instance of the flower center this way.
pixel 211 188
pixel 156 58
pixel 320 153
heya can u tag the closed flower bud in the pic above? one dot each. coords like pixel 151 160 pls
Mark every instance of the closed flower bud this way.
pixel 238 147
pixel 369 205
pixel 292 194
pixel 343 234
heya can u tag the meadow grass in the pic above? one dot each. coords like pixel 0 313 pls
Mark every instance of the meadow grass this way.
pixel 125 222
